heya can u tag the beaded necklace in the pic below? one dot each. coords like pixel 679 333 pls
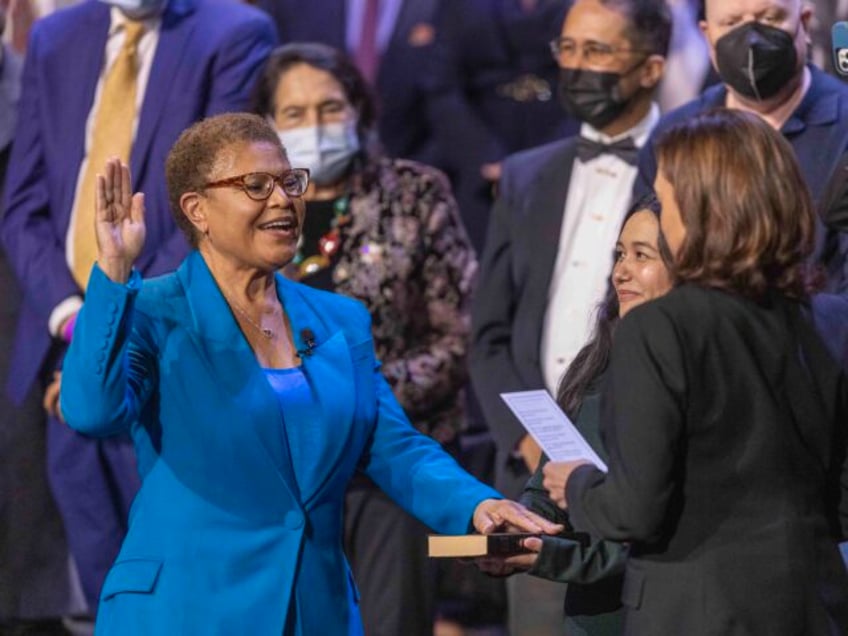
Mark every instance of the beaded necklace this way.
pixel 328 244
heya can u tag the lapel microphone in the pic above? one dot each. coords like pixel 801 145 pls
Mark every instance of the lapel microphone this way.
pixel 308 338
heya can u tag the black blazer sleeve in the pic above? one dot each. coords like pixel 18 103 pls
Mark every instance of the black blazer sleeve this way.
pixel 647 374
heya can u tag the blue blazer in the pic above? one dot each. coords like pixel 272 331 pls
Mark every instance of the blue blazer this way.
pixel 222 538
pixel 206 62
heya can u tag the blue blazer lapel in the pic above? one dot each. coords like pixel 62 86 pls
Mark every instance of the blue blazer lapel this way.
pixel 218 338
pixel 330 373
pixel 174 35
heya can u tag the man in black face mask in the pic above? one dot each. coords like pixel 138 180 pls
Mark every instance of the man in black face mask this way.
pixel 548 251
pixel 760 48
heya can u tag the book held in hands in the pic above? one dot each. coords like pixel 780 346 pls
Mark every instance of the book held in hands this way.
pixel 477 545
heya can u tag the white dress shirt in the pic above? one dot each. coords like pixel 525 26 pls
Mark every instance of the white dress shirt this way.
pixel 599 194
pixel 145 51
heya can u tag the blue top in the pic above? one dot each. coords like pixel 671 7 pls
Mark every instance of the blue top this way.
pixel 303 426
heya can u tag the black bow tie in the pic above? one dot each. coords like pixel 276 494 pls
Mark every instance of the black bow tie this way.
pixel 624 149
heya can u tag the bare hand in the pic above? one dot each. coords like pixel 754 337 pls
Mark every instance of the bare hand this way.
pixel 119 221
pixel 51 397
pixel 491 172
pixel 556 477
pixel 504 566
pixel 492 515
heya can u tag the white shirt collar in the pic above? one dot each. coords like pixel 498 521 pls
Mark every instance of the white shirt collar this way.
pixel 640 132
pixel 119 20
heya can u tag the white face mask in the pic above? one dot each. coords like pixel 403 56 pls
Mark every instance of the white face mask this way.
pixel 138 9
pixel 326 150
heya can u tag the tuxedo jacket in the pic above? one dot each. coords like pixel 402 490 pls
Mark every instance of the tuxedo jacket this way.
pixel 206 61
pixel 223 536
pixel 725 424
pixel 508 309
pixel 403 121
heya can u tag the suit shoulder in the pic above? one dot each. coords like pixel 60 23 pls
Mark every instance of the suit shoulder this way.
pixel 824 84
pixel 522 168
pixel 71 17
pixel 685 305
pixel 235 12
pixel 532 159
pixel 336 308
pixel 160 295
pixel 710 98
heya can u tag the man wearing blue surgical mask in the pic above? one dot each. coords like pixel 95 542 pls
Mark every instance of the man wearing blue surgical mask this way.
pixel 760 50
pixel 117 79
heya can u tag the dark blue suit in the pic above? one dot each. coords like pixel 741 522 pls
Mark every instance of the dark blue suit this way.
pixel 818 131
pixel 206 62
pixel 483 50
pixel 403 121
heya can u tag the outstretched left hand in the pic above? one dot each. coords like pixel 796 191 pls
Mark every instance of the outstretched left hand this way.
pixel 492 515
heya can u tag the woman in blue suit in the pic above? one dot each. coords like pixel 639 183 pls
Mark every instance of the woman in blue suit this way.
pixel 251 400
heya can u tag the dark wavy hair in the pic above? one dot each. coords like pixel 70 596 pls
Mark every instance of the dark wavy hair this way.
pixel 344 71
pixel 749 219
pixel 593 358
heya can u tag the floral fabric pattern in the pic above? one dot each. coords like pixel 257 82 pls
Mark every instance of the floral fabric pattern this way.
pixel 406 255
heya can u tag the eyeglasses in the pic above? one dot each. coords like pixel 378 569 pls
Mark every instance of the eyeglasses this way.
pixel 593 52
pixel 259 185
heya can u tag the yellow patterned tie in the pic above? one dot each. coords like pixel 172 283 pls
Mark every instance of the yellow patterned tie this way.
pixel 111 136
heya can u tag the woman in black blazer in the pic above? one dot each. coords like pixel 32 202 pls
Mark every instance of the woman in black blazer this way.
pixel 723 413
pixel 594 569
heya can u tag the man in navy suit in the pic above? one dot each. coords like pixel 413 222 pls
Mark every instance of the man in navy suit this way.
pixel 806 104
pixel 195 58
pixel 404 33
pixel 549 247
pixel 492 91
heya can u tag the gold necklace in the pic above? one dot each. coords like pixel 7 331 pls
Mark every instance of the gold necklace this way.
pixel 268 333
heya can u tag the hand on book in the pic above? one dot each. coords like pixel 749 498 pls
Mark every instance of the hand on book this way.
pixel 556 478
pixel 506 565
pixel 492 515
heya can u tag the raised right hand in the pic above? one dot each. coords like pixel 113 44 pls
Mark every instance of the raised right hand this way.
pixel 119 221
